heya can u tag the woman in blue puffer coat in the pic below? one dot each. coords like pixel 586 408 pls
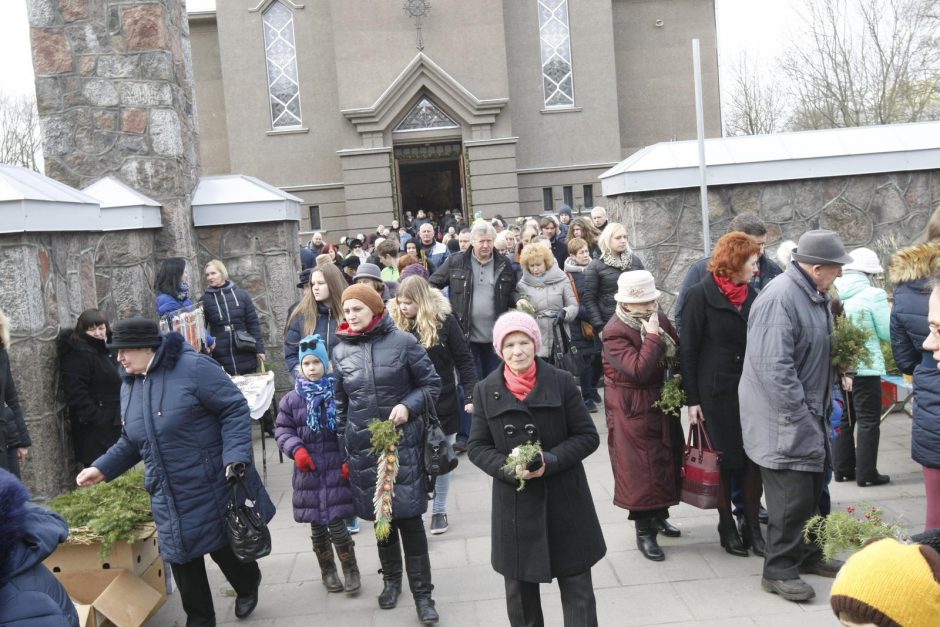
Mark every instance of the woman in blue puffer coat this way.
pixel 306 432
pixel 190 425
pixel 382 373
pixel 228 311
pixel 30 596
pixel 910 270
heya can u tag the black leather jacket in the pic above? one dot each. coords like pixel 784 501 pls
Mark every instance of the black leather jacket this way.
pixel 456 273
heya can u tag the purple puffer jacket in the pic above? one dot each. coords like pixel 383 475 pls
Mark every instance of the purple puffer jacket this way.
pixel 322 495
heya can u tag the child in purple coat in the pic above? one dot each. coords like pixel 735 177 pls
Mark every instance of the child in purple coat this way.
pixel 306 432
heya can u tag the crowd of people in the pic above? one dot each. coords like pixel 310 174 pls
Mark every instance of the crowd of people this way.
pixel 508 329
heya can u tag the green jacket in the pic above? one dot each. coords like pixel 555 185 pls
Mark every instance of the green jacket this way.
pixel 867 306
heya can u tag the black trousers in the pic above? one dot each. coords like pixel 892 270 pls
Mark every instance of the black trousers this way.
pixel 194 588
pixel 578 606
pixel 413 537
pixel 858 455
pixel 9 460
pixel 792 499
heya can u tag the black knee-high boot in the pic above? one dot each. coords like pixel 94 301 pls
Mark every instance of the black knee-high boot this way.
pixel 390 558
pixel 347 555
pixel 323 549
pixel 727 530
pixel 419 579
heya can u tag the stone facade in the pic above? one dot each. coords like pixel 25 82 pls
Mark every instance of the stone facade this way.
pixel 114 89
pixel 880 211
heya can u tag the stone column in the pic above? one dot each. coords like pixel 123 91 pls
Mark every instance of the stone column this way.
pixel 115 97
pixel 114 87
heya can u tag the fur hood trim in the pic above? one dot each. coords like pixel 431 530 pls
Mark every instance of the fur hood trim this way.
pixel 442 304
pixel 914 263
pixel 4 331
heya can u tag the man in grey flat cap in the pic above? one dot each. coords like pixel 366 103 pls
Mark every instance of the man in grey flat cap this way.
pixel 785 403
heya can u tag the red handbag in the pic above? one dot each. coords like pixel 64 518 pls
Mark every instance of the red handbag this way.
pixel 701 470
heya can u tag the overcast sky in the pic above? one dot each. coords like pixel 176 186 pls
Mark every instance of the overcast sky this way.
pixel 758 26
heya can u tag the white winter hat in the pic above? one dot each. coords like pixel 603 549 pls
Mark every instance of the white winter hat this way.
pixel 864 260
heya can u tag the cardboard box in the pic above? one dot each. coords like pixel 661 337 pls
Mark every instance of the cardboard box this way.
pixel 155 577
pixel 111 597
pixel 135 557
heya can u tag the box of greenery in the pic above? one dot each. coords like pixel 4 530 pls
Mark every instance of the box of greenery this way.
pixel 110 526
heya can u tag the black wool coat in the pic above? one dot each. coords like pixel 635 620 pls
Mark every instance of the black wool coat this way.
pixel 13 432
pixel 713 340
pixel 550 528
pixel 600 286
pixel 92 387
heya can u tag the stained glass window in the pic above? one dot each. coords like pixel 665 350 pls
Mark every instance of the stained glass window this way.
pixel 281 55
pixel 425 115
pixel 555 42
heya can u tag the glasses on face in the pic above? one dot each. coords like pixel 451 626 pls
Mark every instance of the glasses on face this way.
pixel 309 346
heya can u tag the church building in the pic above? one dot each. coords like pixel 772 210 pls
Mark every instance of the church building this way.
pixel 366 109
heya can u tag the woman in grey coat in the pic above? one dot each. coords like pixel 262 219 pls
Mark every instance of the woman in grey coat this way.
pixel 547 290
pixel 382 373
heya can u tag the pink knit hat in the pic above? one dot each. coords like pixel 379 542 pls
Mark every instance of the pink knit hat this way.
pixel 515 322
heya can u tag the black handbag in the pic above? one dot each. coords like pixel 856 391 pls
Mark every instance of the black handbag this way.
pixel 244 341
pixel 439 455
pixel 565 355
pixel 248 535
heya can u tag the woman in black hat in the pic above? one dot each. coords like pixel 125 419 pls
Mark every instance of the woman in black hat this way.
pixel 190 425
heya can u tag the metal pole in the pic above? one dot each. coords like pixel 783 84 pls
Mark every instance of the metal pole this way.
pixel 700 128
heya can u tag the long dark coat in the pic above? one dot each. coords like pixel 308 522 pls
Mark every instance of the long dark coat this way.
pixel 600 285
pixel 452 351
pixel 13 431
pixel 92 387
pixel 228 309
pixel 549 529
pixel 322 495
pixel 645 444
pixel 187 421
pixel 714 336
pixel 374 372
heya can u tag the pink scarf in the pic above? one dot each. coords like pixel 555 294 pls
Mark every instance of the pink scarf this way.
pixel 520 384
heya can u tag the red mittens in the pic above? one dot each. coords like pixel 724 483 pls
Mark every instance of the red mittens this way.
pixel 303 461
pixel 345 471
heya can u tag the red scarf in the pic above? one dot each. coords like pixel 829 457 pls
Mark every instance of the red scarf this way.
pixel 345 329
pixel 736 293
pixel 520 384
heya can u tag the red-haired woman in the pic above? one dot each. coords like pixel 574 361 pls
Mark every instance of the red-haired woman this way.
pixel 713 338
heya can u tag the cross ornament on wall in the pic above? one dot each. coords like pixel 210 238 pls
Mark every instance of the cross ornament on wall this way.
pixel 417 9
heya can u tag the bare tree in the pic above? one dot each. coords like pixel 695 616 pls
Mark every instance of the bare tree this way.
pixel 755 105
pixel 20 141
pixel 865 62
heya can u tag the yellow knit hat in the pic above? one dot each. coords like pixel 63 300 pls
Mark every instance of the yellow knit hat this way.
pixel 890 584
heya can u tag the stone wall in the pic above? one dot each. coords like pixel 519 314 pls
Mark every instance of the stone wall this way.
pixel 880 211
pixel 261 259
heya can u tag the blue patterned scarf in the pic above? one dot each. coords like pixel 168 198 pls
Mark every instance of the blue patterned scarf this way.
pixel 317 395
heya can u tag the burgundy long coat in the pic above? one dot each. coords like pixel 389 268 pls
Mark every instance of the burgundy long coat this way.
pixel 645 444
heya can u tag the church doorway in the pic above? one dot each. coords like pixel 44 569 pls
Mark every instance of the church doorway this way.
pixel 430 177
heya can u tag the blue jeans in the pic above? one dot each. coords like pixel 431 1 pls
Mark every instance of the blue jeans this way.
pixel 485 359
pixel 442 487
pixel 587 378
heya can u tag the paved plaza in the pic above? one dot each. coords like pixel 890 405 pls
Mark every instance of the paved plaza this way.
pixel 699 584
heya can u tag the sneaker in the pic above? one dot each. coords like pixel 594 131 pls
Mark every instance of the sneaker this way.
pixel 591 406
pixel 438 524
pixel 352 524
